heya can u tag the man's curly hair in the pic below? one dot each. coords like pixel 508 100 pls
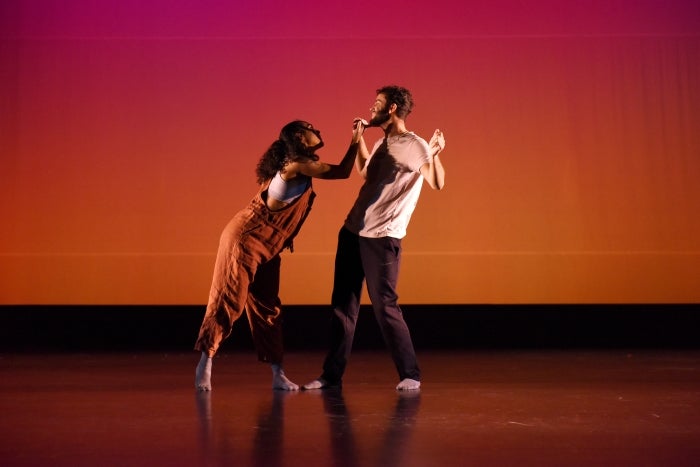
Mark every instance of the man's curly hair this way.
pixel 400 96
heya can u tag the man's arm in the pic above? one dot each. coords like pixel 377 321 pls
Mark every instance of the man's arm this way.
pixel 433 172
pixel 361 158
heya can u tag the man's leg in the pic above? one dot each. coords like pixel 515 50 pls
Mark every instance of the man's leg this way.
pixel 347 287
pixel 381 258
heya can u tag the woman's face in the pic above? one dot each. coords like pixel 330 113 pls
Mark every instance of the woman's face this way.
pixel 310 137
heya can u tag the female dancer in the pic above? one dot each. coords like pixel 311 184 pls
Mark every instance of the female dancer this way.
pixel 247 269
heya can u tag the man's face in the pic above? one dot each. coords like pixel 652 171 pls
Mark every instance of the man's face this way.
pixel 380 111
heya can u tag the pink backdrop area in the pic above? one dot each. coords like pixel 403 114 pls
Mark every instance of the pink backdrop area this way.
pixel 130 131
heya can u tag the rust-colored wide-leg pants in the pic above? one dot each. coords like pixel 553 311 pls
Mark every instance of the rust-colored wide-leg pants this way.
pixel 247 275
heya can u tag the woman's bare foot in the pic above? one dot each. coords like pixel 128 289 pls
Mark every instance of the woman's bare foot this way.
pixel 280 381
pixel 202 375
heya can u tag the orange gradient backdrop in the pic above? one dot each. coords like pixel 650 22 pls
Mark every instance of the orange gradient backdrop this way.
pixel 130 131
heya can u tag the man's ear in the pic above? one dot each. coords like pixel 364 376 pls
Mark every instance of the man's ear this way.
pixel 392 108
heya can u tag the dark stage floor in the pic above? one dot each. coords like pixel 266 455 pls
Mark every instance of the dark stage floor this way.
pixel 476 408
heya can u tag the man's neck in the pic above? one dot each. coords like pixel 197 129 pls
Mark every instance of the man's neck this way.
pixel 394 128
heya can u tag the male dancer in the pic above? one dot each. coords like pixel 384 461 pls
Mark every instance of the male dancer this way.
pixel 369 243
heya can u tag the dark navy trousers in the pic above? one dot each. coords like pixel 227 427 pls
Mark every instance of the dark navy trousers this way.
pixel 375 261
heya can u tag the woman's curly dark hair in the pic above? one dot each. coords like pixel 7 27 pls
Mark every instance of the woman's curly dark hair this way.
pixel 288 147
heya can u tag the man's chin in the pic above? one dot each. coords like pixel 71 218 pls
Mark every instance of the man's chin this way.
pixel 379 120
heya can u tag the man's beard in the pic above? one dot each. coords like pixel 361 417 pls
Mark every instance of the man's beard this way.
pixel 379 118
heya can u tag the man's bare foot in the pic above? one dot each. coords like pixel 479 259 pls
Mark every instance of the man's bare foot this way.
pixel 408 384
pixel 319 383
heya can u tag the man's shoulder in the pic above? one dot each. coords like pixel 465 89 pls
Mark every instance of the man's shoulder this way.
pixel 416 139
pixel 416 136
pixel 418 143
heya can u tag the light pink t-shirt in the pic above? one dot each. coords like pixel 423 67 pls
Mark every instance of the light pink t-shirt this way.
pixel 392 186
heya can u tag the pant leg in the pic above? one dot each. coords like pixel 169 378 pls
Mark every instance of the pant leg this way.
pixel 347 287
pixel 381 259
pixel 264 311
pixel 233 273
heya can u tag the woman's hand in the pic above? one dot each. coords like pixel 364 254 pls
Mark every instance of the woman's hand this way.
pixel 358 129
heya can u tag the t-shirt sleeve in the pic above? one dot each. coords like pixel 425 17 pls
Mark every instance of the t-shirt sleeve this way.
pixel 420 154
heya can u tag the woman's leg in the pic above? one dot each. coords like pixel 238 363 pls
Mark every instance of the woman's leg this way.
pixel 264 311
pixel 227 298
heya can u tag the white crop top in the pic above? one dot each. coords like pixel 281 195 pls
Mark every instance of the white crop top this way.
pixel 288 190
